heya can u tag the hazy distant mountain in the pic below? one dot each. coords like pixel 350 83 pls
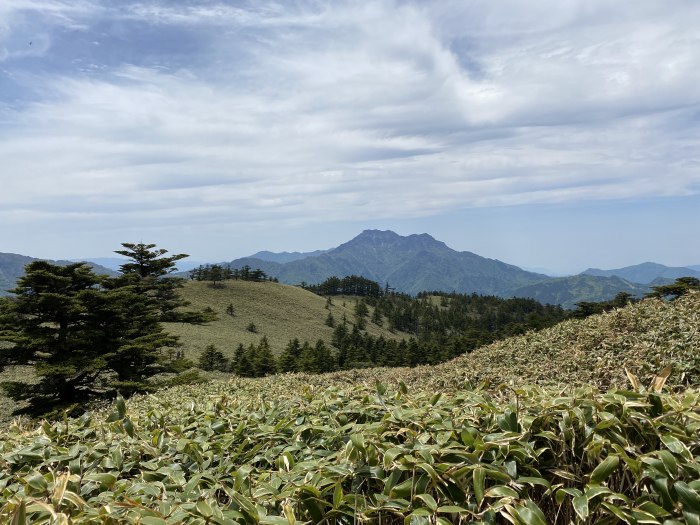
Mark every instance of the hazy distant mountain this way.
pixel 285 257
pixel 413 264
pixel 409 264
pixel 645 273
pixel 418 263
pixel 694 267
pixel 12 268
pixel 567 291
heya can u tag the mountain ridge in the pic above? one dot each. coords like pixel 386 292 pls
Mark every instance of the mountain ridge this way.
pixel 645 273
pixel 12 268
pixel 285 257
pixel 410 264
pixel 419 262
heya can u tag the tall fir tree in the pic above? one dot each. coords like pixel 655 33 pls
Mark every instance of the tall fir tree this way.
pixel 212 359
pixel 264 363
pixel 288 358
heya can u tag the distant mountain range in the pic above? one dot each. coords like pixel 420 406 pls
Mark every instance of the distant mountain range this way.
pixel 286 257
pixel 646 273
pixel 12 268
pixel 417 263
pixel 567 291
pixel 409 264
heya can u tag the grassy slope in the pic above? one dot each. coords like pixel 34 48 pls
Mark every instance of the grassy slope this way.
pixel 306 445
pixel 279 311
pixel 644 338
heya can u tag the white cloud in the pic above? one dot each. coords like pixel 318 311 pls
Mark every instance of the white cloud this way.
pixel 326 111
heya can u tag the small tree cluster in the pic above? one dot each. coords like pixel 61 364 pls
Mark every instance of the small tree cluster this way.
pixel 254 361
pixel 298 357
pixel 350 285
pixel 682 286
pixel 586 308
pixel 212 359
pixel 216 273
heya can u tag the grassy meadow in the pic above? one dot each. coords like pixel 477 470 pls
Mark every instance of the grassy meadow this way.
pixel 573 424
pixel 279 311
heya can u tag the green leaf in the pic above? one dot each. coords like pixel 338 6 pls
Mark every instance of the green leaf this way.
pixel 128 426
pixel 19 517
pixel 531 514
pixel 37 482
pixel 451 509
pixel 580 504
pixel 605 469
pixel 676 446
pixel 274 520
pixel 153 520
pixel 403 490
pixel 661 486
pixel 358 441
pixel 479 480
pixel 501 491
pixel 105 479
pixel 654 509
pixel 688 497
pixel 120 405
pixel 204 509
pixel 669 462
pixel 337 495
pixel 428 500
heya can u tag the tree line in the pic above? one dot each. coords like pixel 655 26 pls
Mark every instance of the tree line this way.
pixel 350 285
pixel 217 273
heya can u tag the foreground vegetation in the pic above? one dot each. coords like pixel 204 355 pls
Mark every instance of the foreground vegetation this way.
pixel 274 451
pixel 463 442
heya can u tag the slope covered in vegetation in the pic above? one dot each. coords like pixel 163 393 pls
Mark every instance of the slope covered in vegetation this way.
pixel 279 312
pixel 394 446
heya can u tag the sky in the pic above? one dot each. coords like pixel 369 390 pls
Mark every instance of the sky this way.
pixel 558 134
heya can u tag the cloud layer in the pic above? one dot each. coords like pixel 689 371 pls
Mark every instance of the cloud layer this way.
pixel 210 113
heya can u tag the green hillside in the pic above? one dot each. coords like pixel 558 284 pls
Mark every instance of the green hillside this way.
pixel 394 446
pixel 280 312
pixel 645 273
pixel 567 291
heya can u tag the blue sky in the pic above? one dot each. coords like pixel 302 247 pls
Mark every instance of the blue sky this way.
pixel 556 134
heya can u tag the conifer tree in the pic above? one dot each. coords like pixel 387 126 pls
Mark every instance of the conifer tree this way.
pixel 212 359
pixel 243 365
pixel 307 362
pixel 323 357
pixel 288 358
pixel 49 324
pixel 264 362
pixel 148 274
